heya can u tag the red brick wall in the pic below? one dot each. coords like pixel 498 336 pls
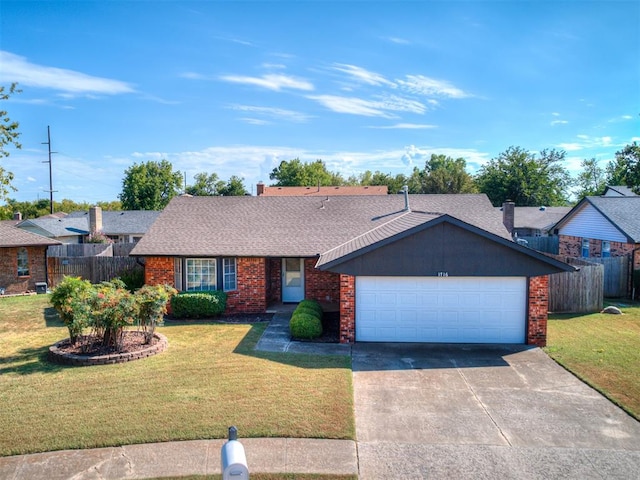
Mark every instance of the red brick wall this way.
pixel 159 271
pixel 347 309
pixel 251 295
pixel 572 247
pixel 538 311
pixel 9 279
pixel 321 286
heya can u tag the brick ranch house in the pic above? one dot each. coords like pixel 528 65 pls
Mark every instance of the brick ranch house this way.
pixel 23 258
pixel 605 226
pixel 403 268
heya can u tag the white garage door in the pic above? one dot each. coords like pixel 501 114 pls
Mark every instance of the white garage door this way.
pixel 441 309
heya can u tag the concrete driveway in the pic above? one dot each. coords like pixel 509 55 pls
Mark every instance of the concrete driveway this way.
pixel 452 411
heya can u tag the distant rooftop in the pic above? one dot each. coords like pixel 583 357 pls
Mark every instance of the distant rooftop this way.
pixel 320 191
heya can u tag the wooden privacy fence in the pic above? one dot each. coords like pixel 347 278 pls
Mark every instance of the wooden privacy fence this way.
pixel 79 250
pixel 616 275
pixel 549 244
pixel 577 292
pixel 94 269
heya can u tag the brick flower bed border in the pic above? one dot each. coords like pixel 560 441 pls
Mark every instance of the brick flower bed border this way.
pixel 56 355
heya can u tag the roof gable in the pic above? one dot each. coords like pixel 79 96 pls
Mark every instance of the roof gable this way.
pixel 604 218
pixel 437 246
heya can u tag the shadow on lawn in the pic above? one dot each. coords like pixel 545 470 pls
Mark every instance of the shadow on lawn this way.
pixel 29 361
pixel 51 318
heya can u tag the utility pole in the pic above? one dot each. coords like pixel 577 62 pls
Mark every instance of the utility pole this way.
pixel 48 142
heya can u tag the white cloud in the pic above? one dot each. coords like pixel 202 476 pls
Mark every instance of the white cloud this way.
pixel 401 104
pixel 559 122
pixel 277 113
pixel 14 68
pixel 398 40
pixel 587 142
pixel 352 105
pixel 271 82
pixel 419 84
pixel 555 114
pixel 362 75
pixel 255 121
pixel 406 126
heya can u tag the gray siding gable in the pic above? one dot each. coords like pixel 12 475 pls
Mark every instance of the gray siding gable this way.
pixel 445 246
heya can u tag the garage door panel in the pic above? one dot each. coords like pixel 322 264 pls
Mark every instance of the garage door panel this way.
pixel 436 309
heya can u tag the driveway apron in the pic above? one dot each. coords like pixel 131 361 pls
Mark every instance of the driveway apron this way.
pixel 475 411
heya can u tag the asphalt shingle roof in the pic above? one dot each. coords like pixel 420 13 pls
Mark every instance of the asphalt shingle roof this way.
pixel 122 222
pixel 624 212
pixel 298 226
pixel 540 218
pixel 11 236
pixel 58 227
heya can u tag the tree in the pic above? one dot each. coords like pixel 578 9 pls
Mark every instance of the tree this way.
pixel 525 179
pixel 443 174
pixel 394 183
pixel 591 179
pixel 234 187
pixel 8 135
pixel 205 185
pixel 625 169
pixel 149 186
pixel 294 173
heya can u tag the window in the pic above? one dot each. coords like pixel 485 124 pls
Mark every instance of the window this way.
pixel 229 274
pixel 585 247
pixel 606 249
pixel 23 262
pixel 177 273
pixel 201 274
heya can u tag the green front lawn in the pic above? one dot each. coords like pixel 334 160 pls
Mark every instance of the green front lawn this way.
pixel 602 350
pixel 208 379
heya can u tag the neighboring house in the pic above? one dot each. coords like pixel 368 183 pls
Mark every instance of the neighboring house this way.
pixel 319 191
pixel 532 221
pixel 619 191
pixel 23 261
pixel 403 268
pixel 607 226
pixel 126 226
pixel 120 226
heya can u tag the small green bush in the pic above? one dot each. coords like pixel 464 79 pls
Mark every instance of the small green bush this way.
pixel 307 310
pixel 133 278
pixel 305 326
pixel 311 304
pixel 198 304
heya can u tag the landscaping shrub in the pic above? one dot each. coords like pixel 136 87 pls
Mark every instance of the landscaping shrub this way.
pixel 133 279
pixel 308 310
pixel 198 304
pixel 152 305
pixel 69 297
pixel 305 326
pixel 311 304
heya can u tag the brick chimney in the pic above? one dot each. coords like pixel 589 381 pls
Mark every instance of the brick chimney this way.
pixel 508 215
pixel 260 188
pixel 95 219
pixel 17 216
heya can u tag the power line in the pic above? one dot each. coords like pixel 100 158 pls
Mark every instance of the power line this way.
pixel 51 190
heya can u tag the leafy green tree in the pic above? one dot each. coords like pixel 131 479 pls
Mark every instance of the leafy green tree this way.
pixel 590 179
pixel 234 187
pixel 295 173
pixel 443 174
pixel 39 208
pixel 8 135
pixel 149 186
pixel 394 183
pixel 205 185
pixel 524 178
pixel 625 169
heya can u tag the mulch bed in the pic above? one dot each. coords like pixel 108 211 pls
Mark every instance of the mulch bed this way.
pixel 133 342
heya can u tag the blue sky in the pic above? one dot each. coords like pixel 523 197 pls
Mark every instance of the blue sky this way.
pixel 236 87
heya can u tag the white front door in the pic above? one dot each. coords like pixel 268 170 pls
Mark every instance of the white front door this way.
pixel 292 280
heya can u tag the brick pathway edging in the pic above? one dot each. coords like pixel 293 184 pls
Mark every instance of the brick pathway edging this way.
pixel 61 358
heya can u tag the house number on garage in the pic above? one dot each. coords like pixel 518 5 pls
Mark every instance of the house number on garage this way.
pixel 443 274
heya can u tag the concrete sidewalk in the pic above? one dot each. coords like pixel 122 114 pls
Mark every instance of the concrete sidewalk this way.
pixel 196 457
